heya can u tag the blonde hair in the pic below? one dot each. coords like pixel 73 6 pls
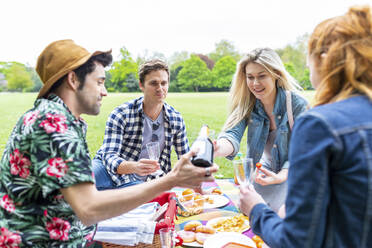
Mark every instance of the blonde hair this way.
pixel 346 69
pixel 242 99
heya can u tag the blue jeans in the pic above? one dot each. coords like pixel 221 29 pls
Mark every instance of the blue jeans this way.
pixel 103 179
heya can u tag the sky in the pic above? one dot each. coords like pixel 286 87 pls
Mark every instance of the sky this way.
pixel 164 26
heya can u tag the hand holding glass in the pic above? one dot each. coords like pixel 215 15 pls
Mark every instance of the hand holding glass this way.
pixel 244 171
pixel 153 150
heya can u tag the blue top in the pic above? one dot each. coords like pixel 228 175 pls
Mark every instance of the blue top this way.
pixel 124 137
pixel 259 128
pixel 329 202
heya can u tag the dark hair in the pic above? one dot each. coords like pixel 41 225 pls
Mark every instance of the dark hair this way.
pixel 81 72
pixel 151 65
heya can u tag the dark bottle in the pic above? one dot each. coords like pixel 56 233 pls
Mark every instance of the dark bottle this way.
pixel 204 157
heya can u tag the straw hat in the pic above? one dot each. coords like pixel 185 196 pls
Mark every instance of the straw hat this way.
pixel 58 59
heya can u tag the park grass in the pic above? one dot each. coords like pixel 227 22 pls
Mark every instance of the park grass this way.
pixel 196 108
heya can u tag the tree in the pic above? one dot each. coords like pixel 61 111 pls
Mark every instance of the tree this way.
pixel 19 79
pixel 210 63
pixel 121 70
pixel 295 55
pixel 194 74
pixel 177 58
pixel 224 48
pixel 37 84
pixel 223 72
pixel 147 56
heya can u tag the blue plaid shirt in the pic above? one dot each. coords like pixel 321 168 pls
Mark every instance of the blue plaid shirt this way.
pixel 123 138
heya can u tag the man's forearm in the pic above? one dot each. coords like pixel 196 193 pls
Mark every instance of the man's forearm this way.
pixel 126 167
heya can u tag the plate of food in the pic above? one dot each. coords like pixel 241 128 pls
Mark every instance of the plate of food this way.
pixel 229 240
pixel 215 201
pixel 195 233
pixel 238 223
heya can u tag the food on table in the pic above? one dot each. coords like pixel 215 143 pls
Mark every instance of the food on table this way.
pixel 259 242
pixel 235 245
pixel 205 229
pixel 216 191
pixel 209 199
pixel 236 223
pixel 187 236
pixel 193 207
pixel 203 232
pixel 192 225
pixel 195 230
pixel 201 237
pixel 188 194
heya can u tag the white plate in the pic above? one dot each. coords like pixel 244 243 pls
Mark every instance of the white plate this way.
pixel 220 239
pixel 218 201
pixel 211 222
pixel 192 244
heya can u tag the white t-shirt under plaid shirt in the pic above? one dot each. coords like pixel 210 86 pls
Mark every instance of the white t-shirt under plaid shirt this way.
pixel 123 138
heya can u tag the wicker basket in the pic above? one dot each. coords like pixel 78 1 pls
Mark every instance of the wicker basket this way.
pixel 156 243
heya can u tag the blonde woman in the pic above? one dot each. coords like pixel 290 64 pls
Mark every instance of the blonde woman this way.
pixel 330 178
pixel 259 102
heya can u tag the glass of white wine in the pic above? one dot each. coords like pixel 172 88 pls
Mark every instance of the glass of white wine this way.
pixel 244 171
pixel 153 150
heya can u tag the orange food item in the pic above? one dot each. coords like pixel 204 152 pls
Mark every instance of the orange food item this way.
pixel 217 191
pixel 198 196
pixel 256 238
pixel 259 244
pixel 235 245
pixel 188 194
pixel 258 165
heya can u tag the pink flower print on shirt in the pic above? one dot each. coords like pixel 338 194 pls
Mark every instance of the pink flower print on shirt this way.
pixel 58 229
pixel 7 203
pixel 57 167
pixel 54 123
pixel 9 239
pixel 19 165
pixel 30 117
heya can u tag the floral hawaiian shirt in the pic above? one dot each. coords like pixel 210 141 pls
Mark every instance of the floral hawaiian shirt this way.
pixel 46 151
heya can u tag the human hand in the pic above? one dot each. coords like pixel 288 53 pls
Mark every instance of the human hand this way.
pixel 145 167
pixel 266 177
pixel 248 199
pixel 185 174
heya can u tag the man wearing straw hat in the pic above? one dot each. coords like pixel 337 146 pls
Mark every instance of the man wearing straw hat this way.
pixel 47 192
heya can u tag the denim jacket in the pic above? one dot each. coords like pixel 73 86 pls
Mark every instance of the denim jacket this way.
pixel 329 201
pixel 258 130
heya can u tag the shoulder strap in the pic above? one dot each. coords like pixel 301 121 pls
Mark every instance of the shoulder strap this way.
pixel 289 108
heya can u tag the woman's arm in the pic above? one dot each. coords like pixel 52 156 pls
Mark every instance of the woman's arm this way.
pixel 228 142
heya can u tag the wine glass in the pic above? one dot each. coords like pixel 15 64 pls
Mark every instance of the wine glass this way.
pixel 153 150
pixel 244 171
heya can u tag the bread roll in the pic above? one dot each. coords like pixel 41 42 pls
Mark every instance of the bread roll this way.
pixel 192 225
pixel 187 236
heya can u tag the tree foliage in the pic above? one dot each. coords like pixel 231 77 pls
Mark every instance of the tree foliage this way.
pixel 122 72
pixel 19 79
pixel 194 74
pixel 224 48
pixel 294 57
pixel 223 72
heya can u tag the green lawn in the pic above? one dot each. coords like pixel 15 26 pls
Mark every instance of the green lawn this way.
pixel 196 108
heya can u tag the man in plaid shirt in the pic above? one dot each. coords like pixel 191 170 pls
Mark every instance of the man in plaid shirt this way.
pixel 122 159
